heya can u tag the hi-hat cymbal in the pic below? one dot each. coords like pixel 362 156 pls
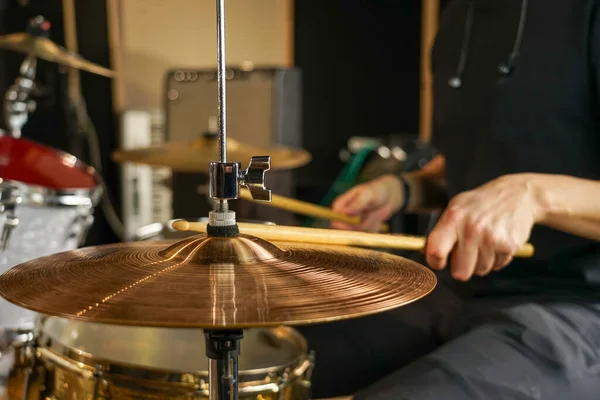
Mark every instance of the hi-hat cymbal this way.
pixel 46 49
pixel 194 156
pixel 208 282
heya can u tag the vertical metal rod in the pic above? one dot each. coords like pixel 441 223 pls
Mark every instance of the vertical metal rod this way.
pixel 221 81
pixel 213 379
pixel 234 373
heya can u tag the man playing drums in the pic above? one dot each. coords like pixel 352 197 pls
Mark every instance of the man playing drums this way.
pixel 517 124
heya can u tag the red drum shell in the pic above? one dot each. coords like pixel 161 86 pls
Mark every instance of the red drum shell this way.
pixel 31 163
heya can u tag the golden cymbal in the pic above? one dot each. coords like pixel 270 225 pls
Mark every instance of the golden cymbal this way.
pixel 208 282
pixel 46 49
pixel 196 155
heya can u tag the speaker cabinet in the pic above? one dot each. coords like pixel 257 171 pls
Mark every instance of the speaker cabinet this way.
pixel 263 109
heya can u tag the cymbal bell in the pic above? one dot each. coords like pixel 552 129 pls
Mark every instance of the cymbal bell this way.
pixel 196 155
pixel 44 48
pixel 213 282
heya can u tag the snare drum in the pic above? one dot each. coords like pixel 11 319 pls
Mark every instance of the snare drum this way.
pixel 77 360
pixel 46 206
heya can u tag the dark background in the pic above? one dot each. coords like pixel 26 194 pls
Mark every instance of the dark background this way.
pixel 360 61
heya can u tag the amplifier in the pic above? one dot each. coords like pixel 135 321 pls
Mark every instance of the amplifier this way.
pixel 263 109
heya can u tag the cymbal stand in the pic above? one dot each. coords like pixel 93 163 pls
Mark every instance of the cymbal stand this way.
pixel 223 346
pixel 17 104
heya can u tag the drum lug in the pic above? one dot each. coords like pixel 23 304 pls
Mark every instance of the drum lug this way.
pixel 281 389
pixel 100 384
pixel 304 383
pixel 309 371
pixel 9 226
pixel 83 223
pixel 87 221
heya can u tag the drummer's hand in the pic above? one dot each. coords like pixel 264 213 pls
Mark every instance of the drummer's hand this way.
pixel 483 228
pixel 375 201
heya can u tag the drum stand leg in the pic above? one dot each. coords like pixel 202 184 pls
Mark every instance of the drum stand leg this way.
pixel 222 350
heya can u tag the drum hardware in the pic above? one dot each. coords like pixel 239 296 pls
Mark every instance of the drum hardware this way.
pixel 15 368
pixel 317 236
pixel 35 44
pixel 49 362
pixel 309 209
pixel 81 225
pixel 17 104
pixel 9 198
pixel 10 223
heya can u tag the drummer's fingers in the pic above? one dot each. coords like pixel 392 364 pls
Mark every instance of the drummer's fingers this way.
pixel 373 220
pixel 343 226
pixel 345 201
pixel 357 202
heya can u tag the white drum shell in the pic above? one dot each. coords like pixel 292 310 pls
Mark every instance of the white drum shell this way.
pixel 41 231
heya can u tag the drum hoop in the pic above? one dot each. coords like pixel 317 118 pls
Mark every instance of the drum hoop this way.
pixel 41 196
pixel 121 369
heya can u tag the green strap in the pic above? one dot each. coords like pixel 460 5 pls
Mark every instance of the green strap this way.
pixel 345 179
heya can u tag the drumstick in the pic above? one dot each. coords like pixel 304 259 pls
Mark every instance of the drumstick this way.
pixel 308 209
pixel 330 236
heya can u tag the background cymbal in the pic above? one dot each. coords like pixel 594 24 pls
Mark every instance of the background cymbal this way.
pixel 202 282
pixel 46 49
pixel 195 156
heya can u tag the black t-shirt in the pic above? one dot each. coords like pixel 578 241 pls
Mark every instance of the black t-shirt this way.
pixel 543 116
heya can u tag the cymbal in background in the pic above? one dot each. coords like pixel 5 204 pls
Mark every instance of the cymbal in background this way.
pixel 195 156
pixel 41 47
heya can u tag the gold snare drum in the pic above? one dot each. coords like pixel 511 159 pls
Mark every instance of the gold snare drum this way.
pixel 81 361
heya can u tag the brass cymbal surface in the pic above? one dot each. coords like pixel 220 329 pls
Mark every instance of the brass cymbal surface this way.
pixel 46 49
pixel 208 282
pixel 195 156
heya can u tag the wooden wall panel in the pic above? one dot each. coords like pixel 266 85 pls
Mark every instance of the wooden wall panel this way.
pixel 156 35
pixel 429 28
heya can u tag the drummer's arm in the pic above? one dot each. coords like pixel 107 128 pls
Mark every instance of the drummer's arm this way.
pixel 425 189
pixel 567 203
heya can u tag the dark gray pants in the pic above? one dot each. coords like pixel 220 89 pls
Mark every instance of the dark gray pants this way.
pixel 442 348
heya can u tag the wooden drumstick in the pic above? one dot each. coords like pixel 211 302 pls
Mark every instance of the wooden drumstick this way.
pixel 308 209
pixel 330 236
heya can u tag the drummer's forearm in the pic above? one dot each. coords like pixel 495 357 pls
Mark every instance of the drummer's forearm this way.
pixel 427 187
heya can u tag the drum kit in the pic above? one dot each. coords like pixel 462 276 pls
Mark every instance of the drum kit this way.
pixel 200 309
